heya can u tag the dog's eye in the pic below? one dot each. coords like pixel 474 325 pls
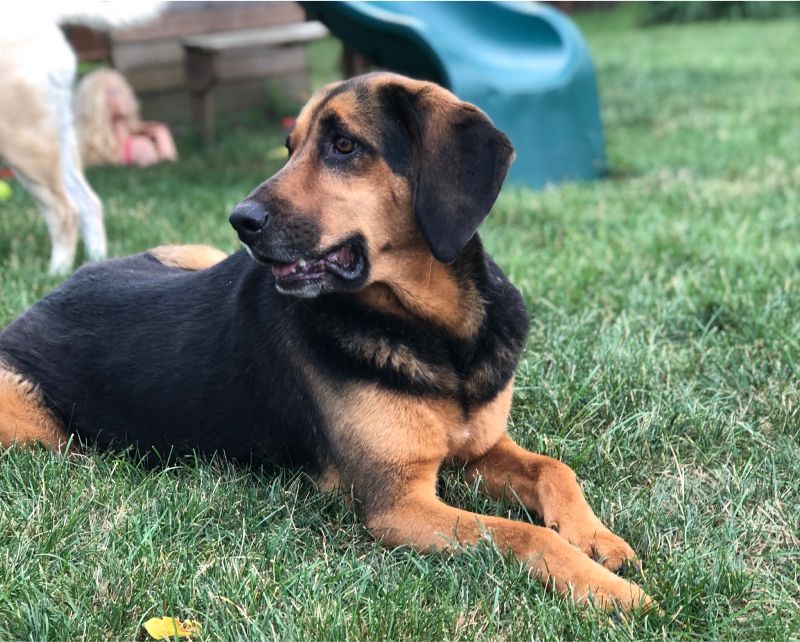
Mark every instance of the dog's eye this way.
pixel 343 145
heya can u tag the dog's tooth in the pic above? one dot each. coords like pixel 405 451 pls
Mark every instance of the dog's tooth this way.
pixel 301 263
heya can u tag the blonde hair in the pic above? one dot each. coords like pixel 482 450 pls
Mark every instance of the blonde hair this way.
pixel 94 121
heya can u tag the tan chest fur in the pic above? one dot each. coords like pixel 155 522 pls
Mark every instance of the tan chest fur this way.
pixel 400 429
pixel 482 430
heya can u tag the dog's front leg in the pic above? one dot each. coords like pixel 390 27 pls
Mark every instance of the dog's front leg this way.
pixel 549 488
pixel 419 519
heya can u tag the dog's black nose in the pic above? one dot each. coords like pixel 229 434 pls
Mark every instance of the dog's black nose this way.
pixel 248 218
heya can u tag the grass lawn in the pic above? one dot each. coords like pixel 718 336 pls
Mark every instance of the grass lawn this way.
pixel 662 366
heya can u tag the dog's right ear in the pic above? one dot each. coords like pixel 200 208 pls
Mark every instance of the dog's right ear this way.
pixel 460 162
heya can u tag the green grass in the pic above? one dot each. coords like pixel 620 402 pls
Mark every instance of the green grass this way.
pixel 662 365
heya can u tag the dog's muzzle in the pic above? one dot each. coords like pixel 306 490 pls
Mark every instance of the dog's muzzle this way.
pixel 248 219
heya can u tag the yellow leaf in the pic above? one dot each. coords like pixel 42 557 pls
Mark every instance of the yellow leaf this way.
pixel 166 628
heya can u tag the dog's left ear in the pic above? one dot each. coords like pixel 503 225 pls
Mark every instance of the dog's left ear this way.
pixel 462 163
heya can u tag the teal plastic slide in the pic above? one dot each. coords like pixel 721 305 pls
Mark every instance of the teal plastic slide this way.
pixel 526 65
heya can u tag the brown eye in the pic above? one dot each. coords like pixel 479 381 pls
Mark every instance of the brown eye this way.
pixel 343 145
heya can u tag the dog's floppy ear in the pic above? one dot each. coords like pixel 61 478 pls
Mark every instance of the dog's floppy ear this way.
pixel 462 162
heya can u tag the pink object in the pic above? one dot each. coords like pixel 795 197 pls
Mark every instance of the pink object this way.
pixel 287 122
pixel 127 151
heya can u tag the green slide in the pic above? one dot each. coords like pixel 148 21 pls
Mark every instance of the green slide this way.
pixel 524 64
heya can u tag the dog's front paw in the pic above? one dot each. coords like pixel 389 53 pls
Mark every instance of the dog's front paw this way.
pixel 599 543
pixel 612 551
pixel 619 595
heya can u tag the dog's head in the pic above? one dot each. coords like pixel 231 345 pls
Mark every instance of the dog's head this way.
pixel 381 168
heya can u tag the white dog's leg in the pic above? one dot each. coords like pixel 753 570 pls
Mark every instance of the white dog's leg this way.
pixel 57 211
pixel 33 153
pixel 90 210
pixel 36 86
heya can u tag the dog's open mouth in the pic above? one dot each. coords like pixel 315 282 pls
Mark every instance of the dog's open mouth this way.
pixel 345 262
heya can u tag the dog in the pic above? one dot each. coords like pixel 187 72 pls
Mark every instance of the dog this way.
pixel 37 133
pixel 363 332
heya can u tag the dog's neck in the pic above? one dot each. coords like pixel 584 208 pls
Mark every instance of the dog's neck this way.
pixel 445 296
pixel 460 339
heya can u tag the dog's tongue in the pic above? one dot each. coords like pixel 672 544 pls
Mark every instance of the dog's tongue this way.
pixel 344 257
pixel 281 270
pixel 297 268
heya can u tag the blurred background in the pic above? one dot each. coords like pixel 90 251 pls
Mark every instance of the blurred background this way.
pixel 270 81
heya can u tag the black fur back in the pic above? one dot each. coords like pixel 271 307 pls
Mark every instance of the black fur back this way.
pixel 131 352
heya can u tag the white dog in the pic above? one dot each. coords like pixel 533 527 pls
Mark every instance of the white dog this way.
pixel 37 136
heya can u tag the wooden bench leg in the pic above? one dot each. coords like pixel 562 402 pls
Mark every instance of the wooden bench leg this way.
pixel 353 63
pixel 201 76
pixel 203 115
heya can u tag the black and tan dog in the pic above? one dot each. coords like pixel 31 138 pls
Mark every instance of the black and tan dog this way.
pixel 364 334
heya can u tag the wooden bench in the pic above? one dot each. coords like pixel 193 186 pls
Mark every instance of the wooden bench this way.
pixel 212 58
pixel 151 57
